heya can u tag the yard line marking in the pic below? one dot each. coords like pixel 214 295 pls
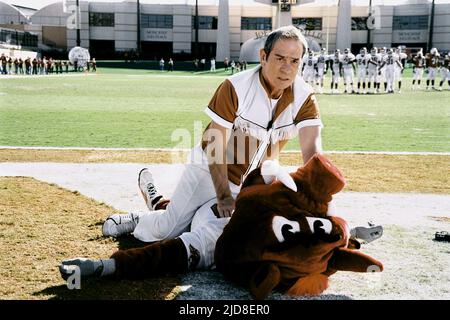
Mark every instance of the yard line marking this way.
pixel 421 153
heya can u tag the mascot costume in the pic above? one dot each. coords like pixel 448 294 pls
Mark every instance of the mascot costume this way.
pixel 281 236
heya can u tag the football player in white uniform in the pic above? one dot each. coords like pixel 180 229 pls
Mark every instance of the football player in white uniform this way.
pixel 382 74
pixel 399 71
pixel 432 62
pixel 445 71
pixel 419 64
pixel 389 62
pixel 336 70
pixel 362 61
pixel 374 63
pixel 348 65
pixel 309 65
pixel 321 68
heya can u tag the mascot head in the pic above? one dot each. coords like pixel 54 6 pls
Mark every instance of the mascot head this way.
pixel 280 235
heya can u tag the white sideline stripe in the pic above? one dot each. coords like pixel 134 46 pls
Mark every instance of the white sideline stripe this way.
pixel 187 150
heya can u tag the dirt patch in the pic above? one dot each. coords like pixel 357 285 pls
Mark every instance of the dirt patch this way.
pixel 42 224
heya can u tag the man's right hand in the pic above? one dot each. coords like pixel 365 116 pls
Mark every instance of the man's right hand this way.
pixel 225 206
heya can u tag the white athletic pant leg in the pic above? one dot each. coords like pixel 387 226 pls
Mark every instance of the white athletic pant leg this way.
pixel 372 75
pixel 431 73
pixel 348 75
pixel 444 73
pixel 362 75
pixel 321 74
pixel 390 77
pixel 336 77
pixel 206 228
pixel 193 190
pixel 308 75
pixel 418 73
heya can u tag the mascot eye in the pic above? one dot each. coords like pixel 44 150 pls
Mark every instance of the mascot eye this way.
pixel 319 225
pixel 282 226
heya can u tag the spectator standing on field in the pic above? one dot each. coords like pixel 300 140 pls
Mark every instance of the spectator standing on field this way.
pixel 226 62
pixel 94 65
pixel 202 63
pixel 233 65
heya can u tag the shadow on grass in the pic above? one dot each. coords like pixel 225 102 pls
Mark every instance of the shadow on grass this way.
pixel 109 289
pixel 161 288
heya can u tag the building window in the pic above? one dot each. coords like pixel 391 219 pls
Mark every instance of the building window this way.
pixel 101 19
pixel 256 23
pixel 205 23
pixel 410 23
pixel 156 21
pixel 308 23
pixel 359 23
pixel 21 38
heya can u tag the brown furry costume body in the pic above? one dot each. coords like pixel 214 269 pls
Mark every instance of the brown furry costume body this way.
pixel 249 253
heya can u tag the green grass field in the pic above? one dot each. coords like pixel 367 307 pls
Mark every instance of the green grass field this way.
pixel 142 108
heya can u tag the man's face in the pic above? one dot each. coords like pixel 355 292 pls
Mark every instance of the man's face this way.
pixel 281 66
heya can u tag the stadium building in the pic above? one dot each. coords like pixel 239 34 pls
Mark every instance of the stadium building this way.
pixel 109 29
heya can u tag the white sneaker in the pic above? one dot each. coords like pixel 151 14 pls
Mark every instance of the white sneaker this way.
pixel 367 234
pixel 120 224
pixel 148 190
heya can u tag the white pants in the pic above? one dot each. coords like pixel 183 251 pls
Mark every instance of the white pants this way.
pixel 348 75
pixel 308 75
pixel 188 215
pixel 362 72
pixel 431 73
pixel 445 74
pixel 320 72
pixel 398 74
pixel 418 73
pixel 382 76
pixel 373 75
pixel 390 77
pixel 335 76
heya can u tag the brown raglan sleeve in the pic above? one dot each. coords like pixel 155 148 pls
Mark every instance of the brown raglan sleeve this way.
pixel 309 114
pixel 223 106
